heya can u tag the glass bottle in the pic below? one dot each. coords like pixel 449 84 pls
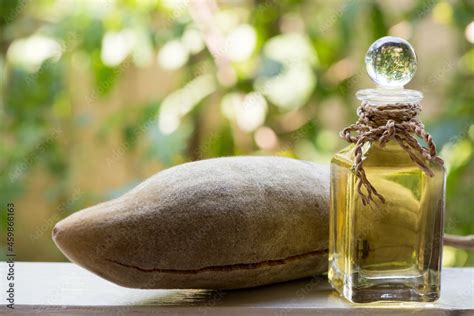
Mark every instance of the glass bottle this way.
pixel 387 251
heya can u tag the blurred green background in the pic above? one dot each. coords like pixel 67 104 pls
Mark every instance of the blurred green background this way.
pixel 98 95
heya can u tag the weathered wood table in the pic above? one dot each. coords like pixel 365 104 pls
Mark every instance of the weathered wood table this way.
pixel 66 289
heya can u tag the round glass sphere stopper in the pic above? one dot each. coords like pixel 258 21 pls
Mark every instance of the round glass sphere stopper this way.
pixel 391 62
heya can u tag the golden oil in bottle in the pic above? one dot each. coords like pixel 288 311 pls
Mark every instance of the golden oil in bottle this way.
pixel 389 251
pixel 386 251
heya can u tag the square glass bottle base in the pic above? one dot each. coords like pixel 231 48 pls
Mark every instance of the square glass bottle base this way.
pixel 366 287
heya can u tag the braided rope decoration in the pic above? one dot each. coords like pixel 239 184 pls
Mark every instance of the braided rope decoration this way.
pixel 381 124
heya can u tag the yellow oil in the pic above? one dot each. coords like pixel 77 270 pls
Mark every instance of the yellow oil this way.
pixel 390 251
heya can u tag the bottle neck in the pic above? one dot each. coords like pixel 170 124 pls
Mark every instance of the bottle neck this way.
pixel 383 96
pixel 388 115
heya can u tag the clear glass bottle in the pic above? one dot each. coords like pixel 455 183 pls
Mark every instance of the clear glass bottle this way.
pixel 387 251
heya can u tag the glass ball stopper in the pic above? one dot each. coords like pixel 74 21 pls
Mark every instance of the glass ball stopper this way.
pixel 391 62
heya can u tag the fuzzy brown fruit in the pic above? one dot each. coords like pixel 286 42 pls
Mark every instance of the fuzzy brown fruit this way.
pixel 221 223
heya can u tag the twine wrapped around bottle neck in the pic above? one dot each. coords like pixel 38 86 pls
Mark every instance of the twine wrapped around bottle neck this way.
pixel 381 124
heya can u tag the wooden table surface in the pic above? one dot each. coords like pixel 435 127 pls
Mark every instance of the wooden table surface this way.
pixel 67 289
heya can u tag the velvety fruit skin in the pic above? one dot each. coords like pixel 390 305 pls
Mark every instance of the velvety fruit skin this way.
pixel 221 224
